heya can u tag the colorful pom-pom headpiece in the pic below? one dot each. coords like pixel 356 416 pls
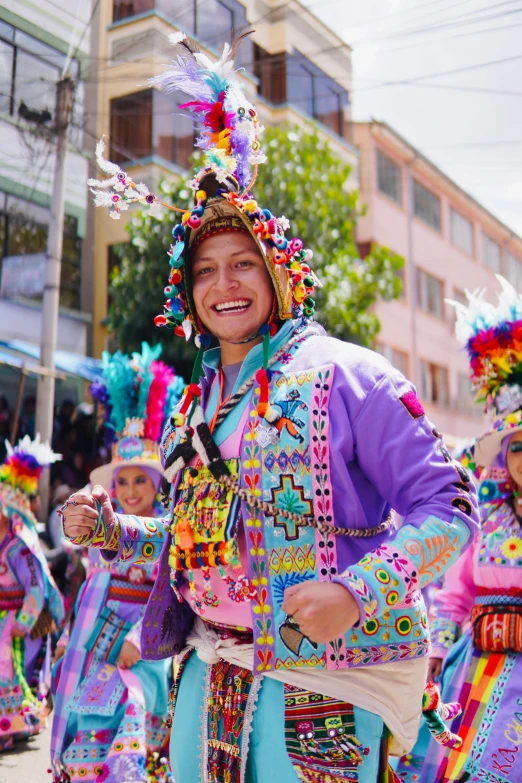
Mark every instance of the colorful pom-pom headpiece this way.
pixel 20 473
pixel 229 136
pixel 139 392
pixel 492 337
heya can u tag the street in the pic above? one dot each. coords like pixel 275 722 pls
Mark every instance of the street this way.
pixel 28 762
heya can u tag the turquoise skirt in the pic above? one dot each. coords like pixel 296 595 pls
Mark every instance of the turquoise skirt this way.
pixel 229 727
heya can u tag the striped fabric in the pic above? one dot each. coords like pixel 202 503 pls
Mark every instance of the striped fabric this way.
pixel 93 600
pixel 11 598
pixel 130 592
pixel 476 694
pixel 497 620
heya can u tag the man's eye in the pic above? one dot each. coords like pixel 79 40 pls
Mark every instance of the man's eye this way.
pixel 245 263
pixel 516 447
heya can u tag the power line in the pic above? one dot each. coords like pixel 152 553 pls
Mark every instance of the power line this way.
pixel 453 22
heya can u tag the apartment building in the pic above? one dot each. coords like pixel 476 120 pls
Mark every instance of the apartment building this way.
pixel 36 41
pixel 295 70
pixel 450 243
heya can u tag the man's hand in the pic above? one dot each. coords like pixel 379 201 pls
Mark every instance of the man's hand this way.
pixel 18 632
pixel 434 669
pixel 323 610
pixel 129 656
pixel 80 515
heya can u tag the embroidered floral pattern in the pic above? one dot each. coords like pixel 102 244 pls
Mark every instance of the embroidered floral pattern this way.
pixel 501 539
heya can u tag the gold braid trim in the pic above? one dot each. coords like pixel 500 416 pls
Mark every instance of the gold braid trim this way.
pixel 271 510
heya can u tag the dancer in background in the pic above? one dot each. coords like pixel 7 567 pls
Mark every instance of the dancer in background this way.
pixel 111 706
pixel 30 604
pixel 477 616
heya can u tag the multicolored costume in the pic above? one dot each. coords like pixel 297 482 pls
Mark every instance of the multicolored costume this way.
pixel 290 479
pixel 477 616
pixel 30 603
pixel 110 722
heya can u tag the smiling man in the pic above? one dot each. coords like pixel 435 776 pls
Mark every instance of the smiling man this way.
pixel 290 599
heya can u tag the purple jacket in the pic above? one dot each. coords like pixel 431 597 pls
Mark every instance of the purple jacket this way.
pixel 367 447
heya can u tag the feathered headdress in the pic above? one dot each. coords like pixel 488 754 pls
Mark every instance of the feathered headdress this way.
pixel 139 393
pixel 229 136
pixel 492 337
pixel 24 464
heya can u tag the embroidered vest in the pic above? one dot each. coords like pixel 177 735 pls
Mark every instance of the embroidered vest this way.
pixel 288 465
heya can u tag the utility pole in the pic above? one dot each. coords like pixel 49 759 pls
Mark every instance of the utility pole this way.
pixel 51 294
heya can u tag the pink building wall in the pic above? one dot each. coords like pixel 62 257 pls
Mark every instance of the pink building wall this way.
pixel 405 326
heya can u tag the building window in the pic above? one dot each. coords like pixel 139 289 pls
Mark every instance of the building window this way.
pixel 389 180
pixel 426 205
pixel 29 72
pixel 270 71
pixel 210 21
pixel 514 271
pixel 461 232
pixel 292 78
pixel 23 234
pixel 465 397
pixel 148 123
pixel 491 253
pixel 397 358
pixel 122 9
pixel 434 383
pixel 430 294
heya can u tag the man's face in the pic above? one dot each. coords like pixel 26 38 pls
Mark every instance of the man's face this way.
pixel 231 286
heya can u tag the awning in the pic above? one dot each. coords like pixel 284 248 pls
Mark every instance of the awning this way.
pixel 14 351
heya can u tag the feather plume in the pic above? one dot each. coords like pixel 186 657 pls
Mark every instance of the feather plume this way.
pixel 25 462
pixel 493 339
pixel 176 38
pixel 162 376
pixel 138 387
pixel 112 169
pixel 229 124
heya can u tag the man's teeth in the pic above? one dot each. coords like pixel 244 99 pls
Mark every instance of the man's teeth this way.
pixel 238 304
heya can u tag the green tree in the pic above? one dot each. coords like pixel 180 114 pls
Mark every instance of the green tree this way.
pixel 309 183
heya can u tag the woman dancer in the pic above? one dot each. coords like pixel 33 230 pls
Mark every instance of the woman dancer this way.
pixel 110 706
pixel 30 604
pixel 482 596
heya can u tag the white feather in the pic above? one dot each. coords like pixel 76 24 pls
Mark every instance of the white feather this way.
pixel 42 452
pixel 104 164
pixel 102 199
pixel 102 183
pixel 176 38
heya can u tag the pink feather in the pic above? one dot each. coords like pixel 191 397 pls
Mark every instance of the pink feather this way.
pixel 163 376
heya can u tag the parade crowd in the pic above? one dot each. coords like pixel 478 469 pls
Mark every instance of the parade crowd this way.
pixel 242 586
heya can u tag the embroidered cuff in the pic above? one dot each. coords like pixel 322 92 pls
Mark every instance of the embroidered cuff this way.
pixel 138 539
pixel 444 633
pixel 380 580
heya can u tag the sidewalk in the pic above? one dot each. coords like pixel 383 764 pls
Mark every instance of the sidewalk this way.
pixel 28 762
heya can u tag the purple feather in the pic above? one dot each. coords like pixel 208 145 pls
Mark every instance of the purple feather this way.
pixel 99 392
pixel 241 146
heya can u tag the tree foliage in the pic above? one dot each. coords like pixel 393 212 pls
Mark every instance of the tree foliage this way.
pixel 309 183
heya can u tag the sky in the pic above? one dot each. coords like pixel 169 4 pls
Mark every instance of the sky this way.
pixel 468 121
